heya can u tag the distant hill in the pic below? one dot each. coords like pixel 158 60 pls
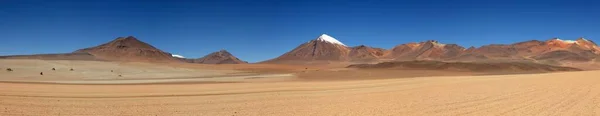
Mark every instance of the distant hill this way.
pixel 219 57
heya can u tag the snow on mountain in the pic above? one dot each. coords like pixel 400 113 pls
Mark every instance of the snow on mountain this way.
pixel 570 41
pixel 439 44
pixel 329 39
pixel 567 41
pixel 177 56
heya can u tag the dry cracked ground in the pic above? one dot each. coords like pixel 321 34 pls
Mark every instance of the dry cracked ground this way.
pixel 565 93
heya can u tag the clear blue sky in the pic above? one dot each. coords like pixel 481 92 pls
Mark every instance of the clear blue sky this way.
pixel 256 30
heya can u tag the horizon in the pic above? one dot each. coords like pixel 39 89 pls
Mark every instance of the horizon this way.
pixel 256 31
pixel 318 37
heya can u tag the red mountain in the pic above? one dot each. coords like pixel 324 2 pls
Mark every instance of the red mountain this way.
pixel 365 53
pixel 219 57
pixel 128 49
pixel 428 50
pixel 553 49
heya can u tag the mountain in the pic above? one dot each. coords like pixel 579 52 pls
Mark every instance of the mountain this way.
pixel 588 45
pixel 219 57
pixel 323 48
pixel 128 49
pixel 365 53
pixel 428 50
pixel 326 49
pixel 580 50
pixel 555 50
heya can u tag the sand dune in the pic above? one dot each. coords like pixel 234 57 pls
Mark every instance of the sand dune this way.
pixel 568 93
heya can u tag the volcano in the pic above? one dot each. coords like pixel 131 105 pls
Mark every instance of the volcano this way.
pixel 323 48
pixel 128 49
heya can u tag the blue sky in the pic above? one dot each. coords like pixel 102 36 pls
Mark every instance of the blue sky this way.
pixel 257 30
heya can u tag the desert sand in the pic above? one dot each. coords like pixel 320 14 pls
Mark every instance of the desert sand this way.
pixel 104 72
pixel 297 91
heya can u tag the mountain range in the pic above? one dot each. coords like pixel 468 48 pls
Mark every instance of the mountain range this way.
pixel 327 49
pixel 131 49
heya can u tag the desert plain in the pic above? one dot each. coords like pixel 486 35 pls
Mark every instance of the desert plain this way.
pixel 273 89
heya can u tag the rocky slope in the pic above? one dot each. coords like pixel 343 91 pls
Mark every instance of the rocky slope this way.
pixel 365 53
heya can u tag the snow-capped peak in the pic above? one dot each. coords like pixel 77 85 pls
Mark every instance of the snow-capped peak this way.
pixel 566 41
pixel 177 56
pixel 329 39
pixel 570 41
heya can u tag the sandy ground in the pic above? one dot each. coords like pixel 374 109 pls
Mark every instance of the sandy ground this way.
pixel 571 93
pixel 565 93
pixel 101 72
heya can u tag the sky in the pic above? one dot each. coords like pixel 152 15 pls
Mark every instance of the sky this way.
pixel 258 30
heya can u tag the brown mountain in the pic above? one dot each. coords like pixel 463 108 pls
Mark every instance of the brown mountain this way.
pixel 365 53
pixel 564 55
pixel 219 57
pixel 553 49
pixel 323 48
pixel 326 48
pixel 128 49
pixel 578 51
pixel 428 50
